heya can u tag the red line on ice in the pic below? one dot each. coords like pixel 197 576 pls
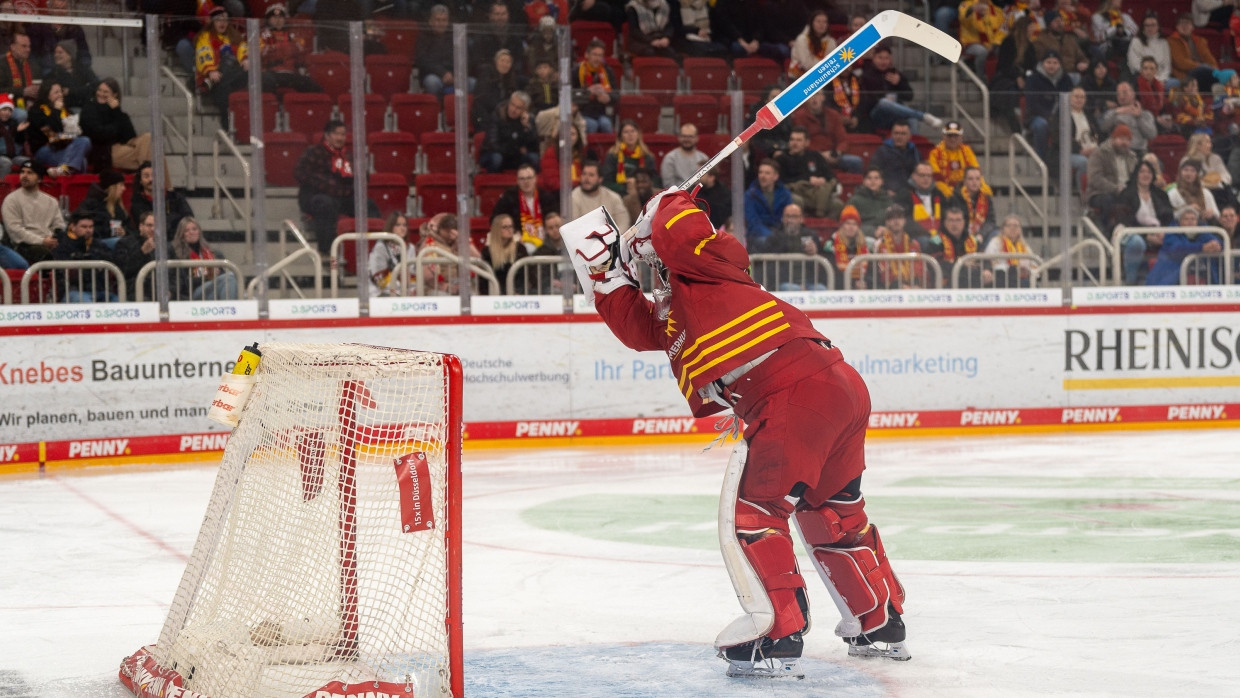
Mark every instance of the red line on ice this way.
pixel 159 543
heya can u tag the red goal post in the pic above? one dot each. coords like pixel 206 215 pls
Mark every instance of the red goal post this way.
pixel 330 554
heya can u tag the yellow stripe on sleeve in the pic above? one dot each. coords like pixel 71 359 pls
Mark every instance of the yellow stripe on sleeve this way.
pixel 726 326
pixel 684 367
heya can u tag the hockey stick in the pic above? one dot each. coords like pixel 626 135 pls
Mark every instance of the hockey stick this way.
pixel 884 25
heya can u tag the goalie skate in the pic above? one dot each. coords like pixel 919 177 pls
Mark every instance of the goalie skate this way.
pixel 886 642
pixel 766 658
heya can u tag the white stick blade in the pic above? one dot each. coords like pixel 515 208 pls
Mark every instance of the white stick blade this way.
pixel 920 33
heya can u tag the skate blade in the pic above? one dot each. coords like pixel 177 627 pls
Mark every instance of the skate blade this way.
pixel 896 651
pixel 765 669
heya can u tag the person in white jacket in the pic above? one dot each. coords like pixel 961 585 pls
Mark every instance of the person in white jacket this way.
pixel 1150 42
pixel 812 44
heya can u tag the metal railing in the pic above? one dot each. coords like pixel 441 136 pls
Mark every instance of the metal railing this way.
pixel 1016 189
pixel 441 260
pixel 174 289
pixel 6 287
pixel 352 238
pixel 170 124
pixel 1191 261
pixel 220 188
pixel 878 259
pixel 279 270
pixel 1121 232
pixel 1085 272
pixel 967 262
pixel 546 271
pixel 36 269
pixel 959 112
pixel 815 272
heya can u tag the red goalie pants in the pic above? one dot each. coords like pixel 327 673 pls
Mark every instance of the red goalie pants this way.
pixel 806 413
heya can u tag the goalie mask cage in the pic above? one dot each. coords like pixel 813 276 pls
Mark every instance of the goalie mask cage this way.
pixel 330 552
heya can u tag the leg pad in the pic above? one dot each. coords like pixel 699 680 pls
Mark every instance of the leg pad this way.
pixel 774 562
pixel 863 577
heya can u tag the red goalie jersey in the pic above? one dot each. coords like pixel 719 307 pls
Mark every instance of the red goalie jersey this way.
pixel 720 318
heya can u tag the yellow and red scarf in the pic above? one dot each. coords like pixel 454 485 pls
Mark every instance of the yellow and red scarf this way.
pixel 622 153
pixel 894 270
pixel 923 218
pixel 21 76
pixel 1189 109
pixel 979 209
pixel 1017 247
pixel 949 245
pixel 531 219
pixel 847 98
pixel 588 75
pixel 842 256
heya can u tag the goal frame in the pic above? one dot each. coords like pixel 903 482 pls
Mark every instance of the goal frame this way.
pixel 353 395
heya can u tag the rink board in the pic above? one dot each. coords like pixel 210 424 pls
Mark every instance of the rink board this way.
pixel 91 391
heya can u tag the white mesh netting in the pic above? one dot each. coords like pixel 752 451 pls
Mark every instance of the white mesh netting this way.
pixel 302 573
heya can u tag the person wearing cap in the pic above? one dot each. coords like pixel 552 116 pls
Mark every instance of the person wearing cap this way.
pixel 1178 245
pixel 221 59
pixel 78 244
pixel 1108 171
pixel 1042 89
pixel 283 53
pixel 44 38
pixel 1128 111
pixel 1056 39
pixel 894 239
pixel 32 218
pixel 12 137
pixel 844 246
pixel 77 79
pixel 1190 54
pixel 950 158
pixel 105 204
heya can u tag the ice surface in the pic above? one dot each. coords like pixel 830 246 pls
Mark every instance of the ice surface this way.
pixel 1035 565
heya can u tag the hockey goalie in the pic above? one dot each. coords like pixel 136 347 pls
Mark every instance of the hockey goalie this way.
pixel 734 346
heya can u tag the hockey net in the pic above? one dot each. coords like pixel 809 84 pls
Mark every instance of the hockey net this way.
pixel 330 553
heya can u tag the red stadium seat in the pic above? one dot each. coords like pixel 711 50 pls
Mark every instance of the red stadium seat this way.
pixel 707 75
pixel 416 113
pixel 863 145
pixel 848 183
pixel 924 145
pixel 394 152
pixel 439 152
pixel 436 193
pixel 389 74
pixel 374 109
pixel 755 74
pixel 389 191
pixel 660 144
pixel 699 110
pixel 239 107
pixel 597 144
pixel 348 249
pixel 642 109
pixel 74 188
pixel 1169 147
pixel 399 36
pixel 282 153
pixel 489 187
pixel 711 143
pixel 655 74
pixel 308 112
pixel 331 70
pixel 479 228
pixel 584 32
pixel 725 108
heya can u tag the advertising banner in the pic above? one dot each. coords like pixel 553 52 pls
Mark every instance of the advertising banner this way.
pixel 138 382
